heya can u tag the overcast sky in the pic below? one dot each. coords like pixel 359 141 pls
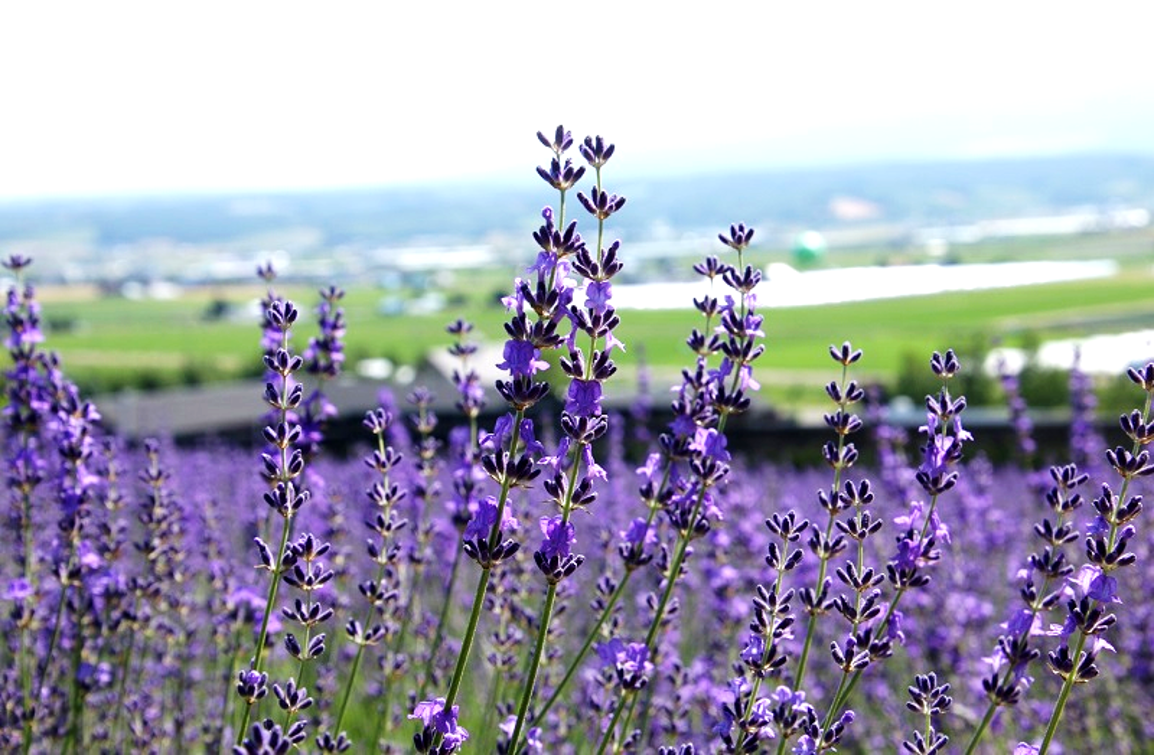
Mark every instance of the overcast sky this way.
pixel 115 97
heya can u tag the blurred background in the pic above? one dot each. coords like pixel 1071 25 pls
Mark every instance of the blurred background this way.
pixel 920 177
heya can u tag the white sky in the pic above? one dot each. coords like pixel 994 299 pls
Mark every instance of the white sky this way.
pixel 113 97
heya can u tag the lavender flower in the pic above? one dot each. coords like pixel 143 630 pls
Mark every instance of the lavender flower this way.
pixel 629 661
pixel 440 723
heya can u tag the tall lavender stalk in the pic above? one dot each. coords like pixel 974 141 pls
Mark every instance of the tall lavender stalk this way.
pixel 1106 545
pixel 582 419
pixel 861 579
pixel 825 544
pixel 382 590
pixel 548 298
pixel 916 544
pixel 1014 651
pixel 284 498
pixel 466 475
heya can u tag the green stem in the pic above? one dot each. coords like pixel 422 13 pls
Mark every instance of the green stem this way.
pixel 757 685
pixel 269 602
pixel 349 689
pixel 483 579
pixel 551 592
pixel 48 657
pixel 300 676
pixel 595 631
pixel 993 707
pixel 283 478
pixel 467 641
pixel 535 662
pixel 1080 643
pixel 974 742
pixel 614 721
pixel 1064 694
pixel 812 622
pixel 671 582
pixel 845 688
pixel 586 645
pixel 683 541
pixel 385 714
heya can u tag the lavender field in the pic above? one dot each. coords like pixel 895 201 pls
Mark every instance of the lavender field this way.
pixel 569 582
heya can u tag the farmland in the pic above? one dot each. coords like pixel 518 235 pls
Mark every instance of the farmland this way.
pixel 111 342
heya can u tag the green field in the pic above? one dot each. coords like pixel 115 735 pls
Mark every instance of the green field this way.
pixel 109 342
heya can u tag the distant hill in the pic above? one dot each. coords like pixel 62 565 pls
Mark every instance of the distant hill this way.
pixel 917 193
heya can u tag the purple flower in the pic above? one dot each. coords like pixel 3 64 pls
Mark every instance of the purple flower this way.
pixel 17 590
pixel 738 686
pixel 613 341
pixel 598 295
pixel 630 662
pixel 755 648
pixel 584 398
pixel 484 518
pixel 1025 749
pixel 639 533
pixel 533 744
pixel 434 716
pixel 556 461
pixel 710 443
pixel 593 469
pixel 1023 621
pixel 1098 526
pixel 559 537
pixel 502 430
pixel 936 454
pixel 796 699
pixel 746 380
pixel 907 553
pixel 894 628
pixel 526 434
pixel 546 262
pixel 522 358
pixel 683 426
pixel 650 470
pixel 493 442
pixel 1091 582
